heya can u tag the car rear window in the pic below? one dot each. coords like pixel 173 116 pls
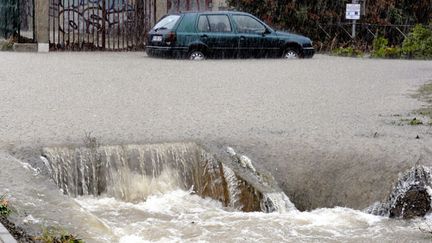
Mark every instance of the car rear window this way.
pixel 167 22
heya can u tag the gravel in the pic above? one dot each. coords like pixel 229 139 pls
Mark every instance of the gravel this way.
pixel 332 130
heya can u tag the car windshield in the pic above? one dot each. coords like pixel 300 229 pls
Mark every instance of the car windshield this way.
pixel 167 22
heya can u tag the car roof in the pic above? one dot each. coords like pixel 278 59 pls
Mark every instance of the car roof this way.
pixel 212 12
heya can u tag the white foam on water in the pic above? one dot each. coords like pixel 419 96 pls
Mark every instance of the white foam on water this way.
pixel 178 216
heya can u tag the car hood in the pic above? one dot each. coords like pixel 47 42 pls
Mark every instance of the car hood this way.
pixel 291 36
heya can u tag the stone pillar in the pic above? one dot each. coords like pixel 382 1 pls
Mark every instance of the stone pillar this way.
pixel 42 24
pixel 161 9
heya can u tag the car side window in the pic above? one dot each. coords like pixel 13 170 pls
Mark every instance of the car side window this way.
pixel 247 24
pixel 203 24
pixel 219 23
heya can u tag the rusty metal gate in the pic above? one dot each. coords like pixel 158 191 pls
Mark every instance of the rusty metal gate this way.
pixel 100 24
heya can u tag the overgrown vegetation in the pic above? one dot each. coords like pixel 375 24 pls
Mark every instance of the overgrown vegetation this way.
pixel 347 52
pixel 5 209
pixel 8 44
pixel 382 50
pixel 418 44
pixel 306 17
pixel 54 235
pixel 424 94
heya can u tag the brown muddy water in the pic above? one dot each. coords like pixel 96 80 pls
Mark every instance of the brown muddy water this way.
pixel 177 192
pixel 333 132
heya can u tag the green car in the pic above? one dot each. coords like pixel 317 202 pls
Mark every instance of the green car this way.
pixel 225 34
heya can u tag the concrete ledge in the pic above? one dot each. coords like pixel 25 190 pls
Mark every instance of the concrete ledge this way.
pixel 25 47
pixel 5 236
pixel 43 47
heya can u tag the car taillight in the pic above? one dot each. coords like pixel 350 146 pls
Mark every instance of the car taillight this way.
pixel 170 38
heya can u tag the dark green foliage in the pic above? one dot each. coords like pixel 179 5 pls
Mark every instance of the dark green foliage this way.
pixel 382 50
pixel 419 43
pixel 303 16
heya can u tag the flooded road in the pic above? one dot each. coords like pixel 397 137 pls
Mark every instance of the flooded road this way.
pixel 332 131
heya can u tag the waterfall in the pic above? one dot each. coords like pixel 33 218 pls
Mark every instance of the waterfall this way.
pixel 411 196
pixel 133 172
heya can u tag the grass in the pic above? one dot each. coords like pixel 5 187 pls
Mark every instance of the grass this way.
pixel 54 235
pixel 5 209
pixel 7 45
pixel 424 93
pixel 415 122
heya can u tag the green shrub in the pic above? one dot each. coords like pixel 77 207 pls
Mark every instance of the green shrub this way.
pixel 380 43
pixel 418 44
pixel 382 50
pixel 347 52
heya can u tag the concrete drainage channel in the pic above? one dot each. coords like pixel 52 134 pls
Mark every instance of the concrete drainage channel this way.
pixel 132 173
pixel 230 178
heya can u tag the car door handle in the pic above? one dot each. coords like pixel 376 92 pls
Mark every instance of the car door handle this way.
pixel 204 36
pixel 242 38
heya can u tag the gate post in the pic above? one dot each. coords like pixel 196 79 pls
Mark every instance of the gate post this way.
pixel 42 24
pixel 161 10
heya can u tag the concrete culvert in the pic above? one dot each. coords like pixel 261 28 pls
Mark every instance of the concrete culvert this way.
pixel 133 172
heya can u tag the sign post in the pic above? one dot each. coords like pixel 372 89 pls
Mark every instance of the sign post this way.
pixel 353 13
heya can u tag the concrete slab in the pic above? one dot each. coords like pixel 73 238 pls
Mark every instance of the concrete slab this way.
pixel 5 236
pixel 43 47
pixel 25 47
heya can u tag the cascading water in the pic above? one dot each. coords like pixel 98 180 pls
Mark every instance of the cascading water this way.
pixel 166 192
pixel 411 196
pixel 133 172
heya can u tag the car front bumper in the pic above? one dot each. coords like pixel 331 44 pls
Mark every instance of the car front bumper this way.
pixel 308 52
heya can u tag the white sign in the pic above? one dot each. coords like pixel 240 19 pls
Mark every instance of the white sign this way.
pixel 352 11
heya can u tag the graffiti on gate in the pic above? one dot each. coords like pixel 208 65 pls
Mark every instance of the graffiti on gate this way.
pixel 92 16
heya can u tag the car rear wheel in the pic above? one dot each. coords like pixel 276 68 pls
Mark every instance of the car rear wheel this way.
pixel 196 55
pixel 291 53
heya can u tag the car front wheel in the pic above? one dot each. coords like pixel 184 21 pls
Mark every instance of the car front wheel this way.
pixel 291 53
pixel 196 55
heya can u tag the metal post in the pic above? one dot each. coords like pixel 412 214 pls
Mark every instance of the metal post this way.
pixel 354 29
pixel 19 20
pixel 353 34
pixel 34 21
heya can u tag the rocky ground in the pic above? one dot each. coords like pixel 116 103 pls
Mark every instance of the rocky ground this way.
pixel 333 131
